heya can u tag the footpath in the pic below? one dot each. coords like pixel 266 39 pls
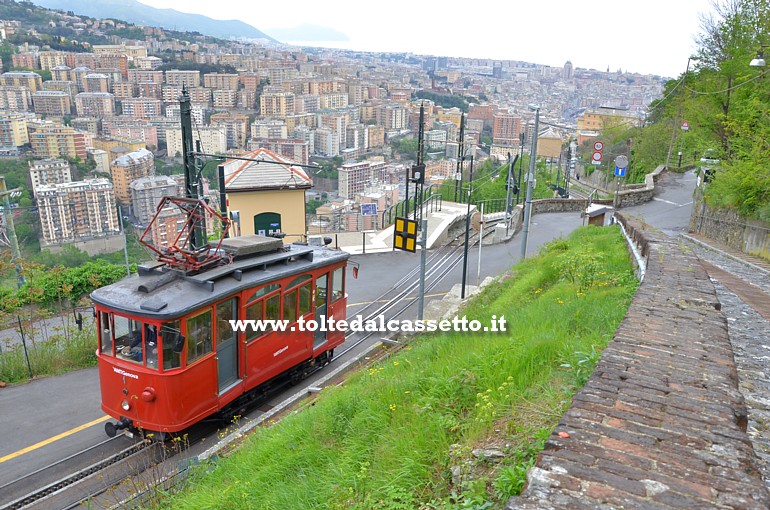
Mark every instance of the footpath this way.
pixel 661 423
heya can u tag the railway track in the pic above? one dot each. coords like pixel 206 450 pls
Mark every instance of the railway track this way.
pixel 95 483
pixel 73 489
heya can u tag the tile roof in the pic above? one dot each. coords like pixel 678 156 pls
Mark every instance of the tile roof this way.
pixel 272 171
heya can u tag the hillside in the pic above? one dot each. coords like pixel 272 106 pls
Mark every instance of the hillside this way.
pixel 138 13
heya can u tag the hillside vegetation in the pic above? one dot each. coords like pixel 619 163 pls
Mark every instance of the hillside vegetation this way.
pixel 726 103
pixel 404 433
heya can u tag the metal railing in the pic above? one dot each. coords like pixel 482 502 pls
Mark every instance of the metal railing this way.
pixel 430 203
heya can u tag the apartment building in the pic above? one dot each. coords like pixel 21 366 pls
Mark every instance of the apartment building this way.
pixel 276 104
pixel 506 128
pixel 13 130
pixel 146 194
pixel 142 107
pixel 295 150
pixel 98 82
pixel 18 99
pixel 236 128
pixel 28 79
pixel 26 59
pixel 127 168
pixel 123 90
pixel 132 52
pixel 56 141
pixel 172 93
pixel 51 103
pixel 354 177
pixel 76 211
pixel 135 129
pixel 269 128
pixel 62 86
pixel 213 140
pixel 45 172
pixel 145 76
pixel 148 63
pixel 150 90
pixel 221 81
pixel 188 79
pixel 225 99
pixel 95 104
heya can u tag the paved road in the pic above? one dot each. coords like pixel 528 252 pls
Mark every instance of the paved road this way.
pixel 36 414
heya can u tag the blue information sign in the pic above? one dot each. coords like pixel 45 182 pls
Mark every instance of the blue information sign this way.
pixel 368 209
pixel 620 172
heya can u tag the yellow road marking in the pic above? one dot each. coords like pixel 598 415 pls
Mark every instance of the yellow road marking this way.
pixel 388 300
pixel 52 439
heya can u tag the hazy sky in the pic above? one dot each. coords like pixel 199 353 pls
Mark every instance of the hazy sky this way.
pixel 652 36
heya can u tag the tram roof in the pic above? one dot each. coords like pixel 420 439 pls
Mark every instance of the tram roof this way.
pixel 184 294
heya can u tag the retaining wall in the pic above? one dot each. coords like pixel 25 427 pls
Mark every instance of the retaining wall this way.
pixel 660 424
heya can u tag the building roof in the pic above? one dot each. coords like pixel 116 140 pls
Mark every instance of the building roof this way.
pixel 271 172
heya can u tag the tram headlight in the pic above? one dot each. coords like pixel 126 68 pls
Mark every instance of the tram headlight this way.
pixel 125 405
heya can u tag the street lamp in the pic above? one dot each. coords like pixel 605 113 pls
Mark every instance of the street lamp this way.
pixel 530 178
pixel 759 60
pixel 678 112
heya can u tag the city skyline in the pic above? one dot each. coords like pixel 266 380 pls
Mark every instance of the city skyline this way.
pixel 633 39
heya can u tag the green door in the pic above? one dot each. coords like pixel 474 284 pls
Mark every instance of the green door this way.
pixel 267 224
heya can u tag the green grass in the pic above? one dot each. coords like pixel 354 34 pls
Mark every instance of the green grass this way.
pixel 62 352
pixel 390 437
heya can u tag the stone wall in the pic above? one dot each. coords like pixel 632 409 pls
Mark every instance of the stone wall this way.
pixel 660 424
pixel 728 227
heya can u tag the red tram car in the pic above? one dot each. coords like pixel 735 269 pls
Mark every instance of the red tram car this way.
pixel 168 356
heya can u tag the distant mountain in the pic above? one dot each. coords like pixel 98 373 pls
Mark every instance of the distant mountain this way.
pixel 307 32
pixel 141 14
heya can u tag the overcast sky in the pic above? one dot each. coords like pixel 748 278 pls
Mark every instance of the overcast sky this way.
pixel 652 36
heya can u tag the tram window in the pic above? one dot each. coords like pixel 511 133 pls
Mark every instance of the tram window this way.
pixel 226 311
pixel 264 291
pixel 305 298
pixel 151 345
pixel 338 283
pixel 105 333
pixel 128 338
pixel 170 335
pixel 273 308
pixel 321 290
pixel 198 336
pixel 290 305
pixel 300 279
pixel 255 312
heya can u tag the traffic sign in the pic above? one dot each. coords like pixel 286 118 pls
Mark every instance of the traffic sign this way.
pixel 598 146
pixel 621 161
pixel 685 126
pixel 620 172
pixel 596 156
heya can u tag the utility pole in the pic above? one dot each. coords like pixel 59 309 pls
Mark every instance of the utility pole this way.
pixel 467 230
pixel 521 163
pixel 196 235
pixel 423 254
pixel 125 241
pixel 530 179
pixel 459 172
pixel 418 174
pixel 11 229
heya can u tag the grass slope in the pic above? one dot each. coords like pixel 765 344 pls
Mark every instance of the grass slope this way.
pixel 401 433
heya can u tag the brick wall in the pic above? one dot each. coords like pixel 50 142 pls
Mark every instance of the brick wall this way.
pixel 660 423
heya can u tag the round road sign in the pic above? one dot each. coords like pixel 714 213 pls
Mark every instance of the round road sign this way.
pixel 598 146
pixel 621 161
pixel 596 156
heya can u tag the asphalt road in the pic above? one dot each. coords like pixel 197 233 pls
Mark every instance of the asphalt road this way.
pixel 49 419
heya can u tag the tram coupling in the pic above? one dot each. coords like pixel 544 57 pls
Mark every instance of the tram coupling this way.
pixel 112 428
